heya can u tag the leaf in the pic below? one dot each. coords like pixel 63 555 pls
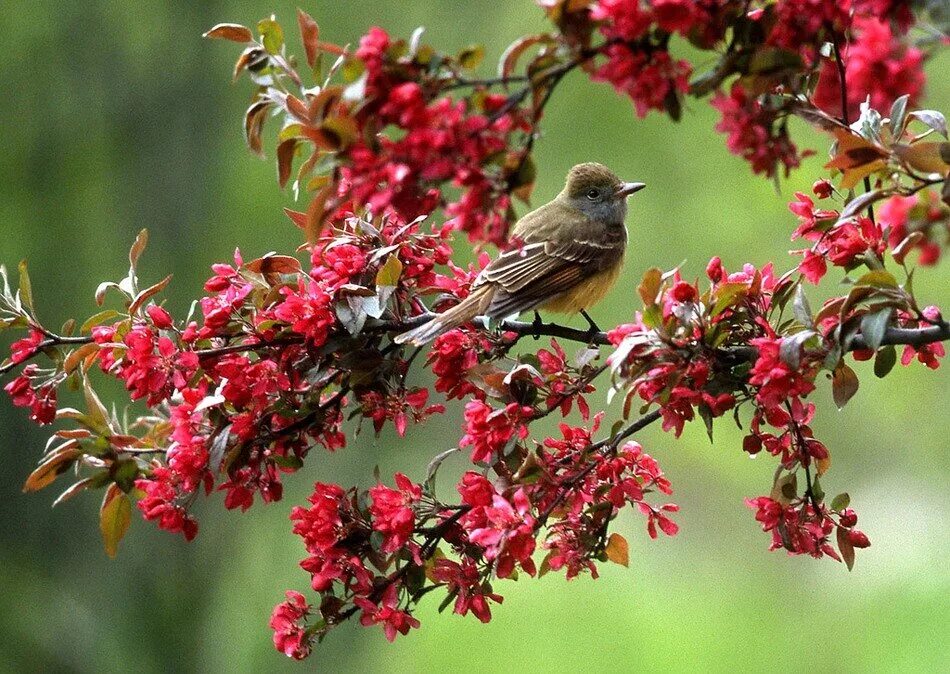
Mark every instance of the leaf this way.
pixel 389 273
pixel 877 278
pixel 935 120
pixel 76 356
pixel 873 327
pixel 138 247
pixel 230 31
pixel 254 124
pixel 316 212
pixel 840 502
pixel 340 131
pixel 926 157
pixel 471 57
pixel 899 115
pixel 310 34
pixel 858 204
pixel 54 464
pixel 785 489
pixel 509 59
pixel 884 361
pixel 285 160
pixel 649 287
pixel 272 35
pixel 856 157
pixel 274 264
pixel 96 413
pixel 728 294
pixel 844 384
pixel 98 319
pixel 26 287
pixel 115 515
pixel 72 491
pixel 790 350
pixel 846 548
pixel 148 293
pixel 617 550
pixel 801 308
pixel 249 56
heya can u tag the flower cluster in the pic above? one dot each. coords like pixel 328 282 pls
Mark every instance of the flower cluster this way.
pixel 754 132
pixel 282 351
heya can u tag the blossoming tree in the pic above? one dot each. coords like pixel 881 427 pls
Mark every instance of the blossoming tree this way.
pixel 393 147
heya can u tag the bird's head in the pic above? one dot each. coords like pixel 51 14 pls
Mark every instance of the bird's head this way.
pixel 597 192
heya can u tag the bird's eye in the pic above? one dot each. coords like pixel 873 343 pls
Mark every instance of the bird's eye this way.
pixel 593 195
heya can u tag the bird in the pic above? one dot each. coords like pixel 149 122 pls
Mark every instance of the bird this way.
pixel 564 257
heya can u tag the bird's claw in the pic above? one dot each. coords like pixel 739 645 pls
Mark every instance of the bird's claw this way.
pixel 537 324
pixel 592 329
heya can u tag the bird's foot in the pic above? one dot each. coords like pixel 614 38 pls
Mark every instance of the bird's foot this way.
pixel 592 329
pixel 537 324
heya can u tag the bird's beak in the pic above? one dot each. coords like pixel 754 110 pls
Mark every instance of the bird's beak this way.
pixel 626 189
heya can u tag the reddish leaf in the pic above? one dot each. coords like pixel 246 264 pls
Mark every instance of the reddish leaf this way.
pixel 230 31
pixel 617 550
pixel 846 547
pixel 285 160
pixel 114 518
pixel 55 464
pixel 310 33
pixel 844 384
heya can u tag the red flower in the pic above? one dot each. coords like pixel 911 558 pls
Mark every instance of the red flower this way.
pixel 392 619
pixel 505 530
pixel 877 64
pixel 161 319
pixel 392 511
pixel 649 79
pixel 307 311
pixel 488 430
pixel 160 503
pixel 751 132
pixel 24 348
pixel 462 579
pixel 776 380
pixel 290 634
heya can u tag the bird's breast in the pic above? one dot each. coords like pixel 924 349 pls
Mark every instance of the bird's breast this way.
pixel 587 293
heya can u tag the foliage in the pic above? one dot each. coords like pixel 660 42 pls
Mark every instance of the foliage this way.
pixel 283 353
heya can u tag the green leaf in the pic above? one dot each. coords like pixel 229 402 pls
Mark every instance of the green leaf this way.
pixel 899 115
pixel 801 308
pixel 878 278
pixel 389 273
pixel 471 57
pixel 98 319
pixel 272 35
pixel 873 327
pixel 840 502
pixel 884 361
pixel 26 288
pixel 935 120
pixel 114 518
pixel 844 384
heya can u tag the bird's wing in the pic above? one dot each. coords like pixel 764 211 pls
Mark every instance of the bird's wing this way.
pixel 537 272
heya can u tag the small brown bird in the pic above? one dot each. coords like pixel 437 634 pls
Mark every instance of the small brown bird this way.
pixel 568 254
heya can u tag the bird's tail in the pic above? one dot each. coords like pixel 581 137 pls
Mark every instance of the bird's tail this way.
pixel 473 305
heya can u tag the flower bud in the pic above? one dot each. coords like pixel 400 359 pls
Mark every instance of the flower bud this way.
pixel 822 188
pixel 160 318
pixel 848 518
pixel 858 539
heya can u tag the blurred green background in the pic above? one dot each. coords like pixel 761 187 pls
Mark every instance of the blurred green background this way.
pixel 118 116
